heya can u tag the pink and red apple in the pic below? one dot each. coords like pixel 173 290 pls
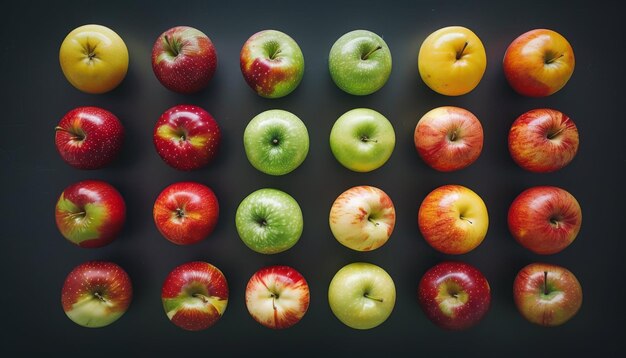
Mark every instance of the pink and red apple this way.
pixel 539 63
pixel 89 137
pixel 454 295
pixel 184 59
pixel 90 213
pixel 195 295
pixel 543 140
pixel 453 219
pixel 96 293
pixel 448 138
pixel 545 219
pixel 546 294
pixel 186 212
pixel 187 137
pixel 277 296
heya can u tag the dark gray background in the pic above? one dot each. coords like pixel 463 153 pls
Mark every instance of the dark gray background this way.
pixel 35 95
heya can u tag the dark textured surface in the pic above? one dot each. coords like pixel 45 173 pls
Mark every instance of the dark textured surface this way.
pixel 36 259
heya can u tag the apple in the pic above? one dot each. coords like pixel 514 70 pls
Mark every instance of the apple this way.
pixel 362 140
pixel 184 59
pixel 277 296
pixel 89 137
pixel 186 212
pixel 454 295
pixel 271 63
pixel 448 138
pixel 195 295
pixel 453 219
pixel 96 294
pixel 543 140
pixel 362 295
pixel 538 63
pixel 452 61
pixel 90 213
pixel 546 294
pixel 94 58
pixel 545 219
pixel 276 142
pixel 360 62
pixel 362 218
pixel 269 221
pixel 187 137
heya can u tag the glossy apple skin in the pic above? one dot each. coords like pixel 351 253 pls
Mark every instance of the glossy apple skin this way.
pixel 452 61
pixel 96 293
pixel 448 138
pixel 187 137
pixel 453 219
pixel 362 218
pixel 94 58
pixel 277 296
pixel 272 63
pixel 89 137
pixel 543 140
pixel 546 294
pixel 186 212
pixel 184 59
pixel 360 62
pixel 276 142
pixel 454 295
pixel 539 63
pixel 90 213
pixel 362 295
pixel 195 295
pixel 545 219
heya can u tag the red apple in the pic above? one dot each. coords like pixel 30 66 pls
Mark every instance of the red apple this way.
pixel 184 59
pixel 96 293
pixel 538 63
pixel 546 294
pixel 187 137
pixel 454 295
pixel 186 212
pixel 543 140
pixel 195 295
pixel 277 296
pixel 89 137
pixel 448 138
pixel 545 219
pixel 90 213
pixel 453 219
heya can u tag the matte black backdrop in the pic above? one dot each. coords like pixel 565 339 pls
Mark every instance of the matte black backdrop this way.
pixel 35 95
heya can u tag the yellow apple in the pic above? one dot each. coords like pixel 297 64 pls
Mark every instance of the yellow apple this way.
pixel 452 61
pixel 94 58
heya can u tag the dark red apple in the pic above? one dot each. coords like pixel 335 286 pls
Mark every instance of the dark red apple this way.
pixel 96 293
pixel 195 295
pixel 545 219
pixel 454 295
pixel 90 213
pixel 89 137
pixel 187 137
pixel 186 212
pixel 184 59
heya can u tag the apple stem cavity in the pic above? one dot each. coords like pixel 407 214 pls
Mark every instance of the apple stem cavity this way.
pixel 367 295
pixel 173 46
pixel 460 53
pixel 180 213
pixel 275 141
pixel 367 55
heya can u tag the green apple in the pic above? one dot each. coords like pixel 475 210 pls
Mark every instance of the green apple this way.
pixel 362 140
pixel 360 62
pixel 276 142
pixel 362 295
pixel 269 221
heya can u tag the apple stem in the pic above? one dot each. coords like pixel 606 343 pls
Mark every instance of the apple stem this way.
pixel 274 296
pixel 550 60
pixel 545 282
pixel 99 296
pixel 204 298
pixel 90 51
pixel 460 54
pixel 367 295
pixel 76 136
pixel 366 139
pixel 73 215
pixel 275 141
pixel 551 135
pixel 372 221
pixel 367 55
pixel 453 136
pixel 173 45
pixel 180 213
pixel 466 219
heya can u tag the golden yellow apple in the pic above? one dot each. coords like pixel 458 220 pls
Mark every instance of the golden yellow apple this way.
pixel 452 61
pixel 94 58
